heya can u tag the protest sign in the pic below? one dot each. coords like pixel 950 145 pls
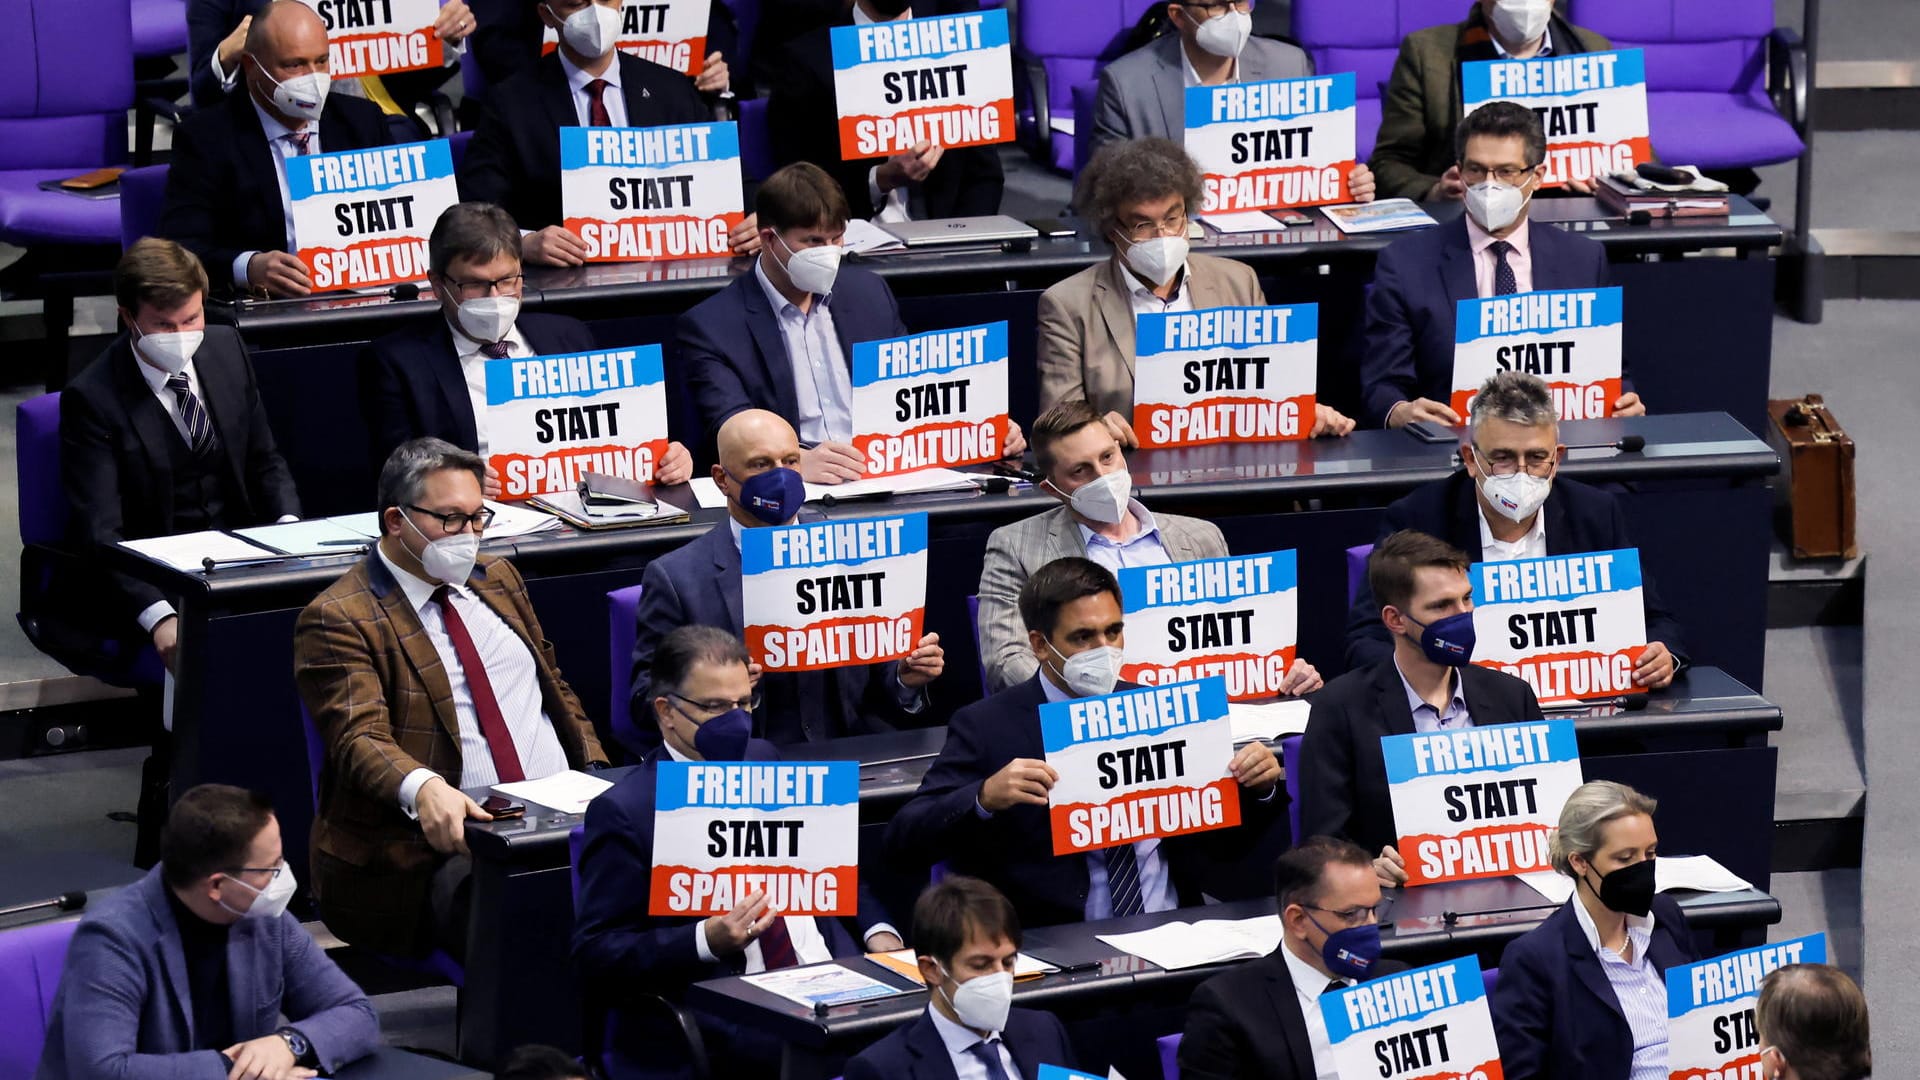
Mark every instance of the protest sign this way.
pixel 1430 1023
pixel 361 218
pixel 1233 374
pixel 379 37
pixel 1710 1032
pixel 931 400
pixel 552 418
pixel 1592 105
pixel 1140 764
pixel 671 33
pixel 947 80
pixel 1478 802
pixel 1235 617
pixel 1273 144
pixel 670 192
pixel 723 830
pixel 1569 338
pixel 1572 626
pixel 834 593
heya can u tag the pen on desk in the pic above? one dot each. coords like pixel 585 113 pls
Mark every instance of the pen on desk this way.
pixel 343 543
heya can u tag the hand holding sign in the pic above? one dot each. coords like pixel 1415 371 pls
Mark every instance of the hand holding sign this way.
pixel 730 934
pixel 731 838
pixel 714 75
pixel 555 245
pixel 924 664
pixel 1255 768
pixel 909 167
pixel 1022 781
pixel 1478 802
pixel 1431 1023
pixel 454 22
pixel 278 274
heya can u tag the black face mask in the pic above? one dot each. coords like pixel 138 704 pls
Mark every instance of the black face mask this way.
pixel 1628 890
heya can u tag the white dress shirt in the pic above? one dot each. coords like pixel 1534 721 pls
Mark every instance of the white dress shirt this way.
pixel 1143 301
pixel 958 1037
pixel 510 670
pixel 893 204
pixel 473 368
pixel 611 97
pixel 1520 259
pixel 1192 78
pixel 282 148
pixel 822 381
pixel 1532 545
pixel 1145 548
pixel 1308 984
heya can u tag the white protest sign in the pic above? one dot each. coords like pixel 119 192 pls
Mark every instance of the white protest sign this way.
pixel 931 400
pixel 670 192
pixel 725 830
pixel 1273 144
pixel 1710 1031
pixel 1234 374
pixel 671 33
pixel 1572 626
pixel 379 37
pixel 1430 1023
pixel 1235 617
pixel 1569 338
pixel 1593 107
pixel 947 80
pixel 834 593
pixel 551 419
pixel 1477 802
pixel 362 217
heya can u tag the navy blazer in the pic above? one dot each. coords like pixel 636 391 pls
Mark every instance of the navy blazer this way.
pixel 699 584
pixel 223 196
pixel 514 158
pixel 411 384
pixel 1580 517
pixel 1245 1024
pixel 1554 1012
pixel 735 359
pixel 1418 283
pixel 915 1051
pixel 1013 849
pixel 1343 774
pixel 124 1008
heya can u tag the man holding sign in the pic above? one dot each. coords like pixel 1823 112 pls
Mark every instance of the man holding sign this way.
pixel 217 33
pixel 984 808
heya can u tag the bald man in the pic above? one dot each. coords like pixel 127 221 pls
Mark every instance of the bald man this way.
pixel 700 583
pixel 227 191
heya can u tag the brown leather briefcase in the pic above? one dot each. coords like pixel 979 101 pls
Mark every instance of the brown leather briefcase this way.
pixel 1814 498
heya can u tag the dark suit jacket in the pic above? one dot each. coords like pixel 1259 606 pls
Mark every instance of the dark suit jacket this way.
pixel 376 689
pixel 1343 776
pixel 123 1007
pixel 507 34
pixel 1417 284
pixel 1421 105
pixel 114 461
pixel 734 358
pixel 1580 518
pixel 222 195
pixel 210 21
pixel 915 1051
pixel 1554 1012
pixel 1013 849
pixel 803 117
pixel 1231 1032
pixel 699 584
pixel 411 384
pixel 514 159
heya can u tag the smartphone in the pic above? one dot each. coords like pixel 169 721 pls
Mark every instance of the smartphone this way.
pixel 98 178
pixel 1052 227
pixel 503 808
pixel 1429 432
pixel 1291 217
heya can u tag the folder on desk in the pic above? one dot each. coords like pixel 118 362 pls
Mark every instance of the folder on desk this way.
pixel 1625 199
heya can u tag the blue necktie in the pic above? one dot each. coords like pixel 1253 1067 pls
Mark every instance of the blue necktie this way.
pixel 1504 283
pixel 989 1055
pixel 200 437
pixel 1123 881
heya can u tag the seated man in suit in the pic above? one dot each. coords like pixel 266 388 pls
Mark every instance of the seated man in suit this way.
pixel 1414 156
pixel 217 33
pixel 1494 249
pixel 227 190
pixel 700 583
pixel 188 971
pixel 982 807
pixel 1329 902
pixel 1509 502
pixel 1139 196
pixel 782 337
pixel 429 378
pixel 1427 684
pixel 926 181
pixel 509 38
pixel 514 159
pixel 966 934
pixel 426 672
pixel 702 704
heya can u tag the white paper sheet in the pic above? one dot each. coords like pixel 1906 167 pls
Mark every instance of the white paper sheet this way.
pixel 568 792
pixel 866 238
pixel 321 536
pixel 188 550
pixel 821 984
pixel 1246 221
pixel 366 523
pixel 512 520
pixel 1024 966
pixel 1698 872
pixel 1550 884
pixel 1269 720
pixel 709 496
pixel 1177 945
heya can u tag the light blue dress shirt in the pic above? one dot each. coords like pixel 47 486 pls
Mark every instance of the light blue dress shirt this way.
pixel 1144 549
pixel 1638 987
pixel 1426 718
pixel 822 381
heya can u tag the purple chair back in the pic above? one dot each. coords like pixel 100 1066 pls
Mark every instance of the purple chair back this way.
pixel 576 839
pixel 143 193
pixel 1364 38
pixel 473 81
pixel 973 620
pixel 1357 570
pixel 623 608
pixel 756 141
pixel 159 27
pixel 31 959
pixel 1065 39
pixel 457 146
pixel 43 505
pixel 1169 1055
pixel 1489 978
pixel 1290 761
pixel 50 119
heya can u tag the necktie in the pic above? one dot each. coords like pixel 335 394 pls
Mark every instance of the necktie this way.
pixel 494 350
pixel 1504 283
pixel 1337 984
pixel 597 110
pixel 301 141
pixel 200 437
pixel 776 946
pixel 989 1055
pixel 486 707
pixel 1123 881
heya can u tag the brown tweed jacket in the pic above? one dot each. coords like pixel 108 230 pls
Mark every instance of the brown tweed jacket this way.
pixel 369 676
pixel 1421 106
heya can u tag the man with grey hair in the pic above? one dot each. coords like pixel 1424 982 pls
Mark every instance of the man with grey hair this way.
pixel 428 378
pixel 425 670
pixel 1508 502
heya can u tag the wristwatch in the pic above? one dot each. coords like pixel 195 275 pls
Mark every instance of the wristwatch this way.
pixel 296 1042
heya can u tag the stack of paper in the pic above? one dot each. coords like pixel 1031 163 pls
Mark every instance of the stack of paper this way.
pixel 511 520
pixel 189 551
pixel 568 506
pixel 309 539
pixel 710 497
pixel 865 238
pixel 568 792
pixel 1177 945
pixel 1268 721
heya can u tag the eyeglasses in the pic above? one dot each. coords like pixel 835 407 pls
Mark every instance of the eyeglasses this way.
pixel 715 708
pixel 1354 916
pixel 1510 175
pixel 271 871
pixel 1174 224
pixel 457 521
pixel 1506 462
pixel 468 290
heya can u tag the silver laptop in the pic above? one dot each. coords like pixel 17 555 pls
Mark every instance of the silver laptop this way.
pixel 943 232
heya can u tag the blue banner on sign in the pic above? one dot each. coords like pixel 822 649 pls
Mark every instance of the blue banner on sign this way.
pixel 1272 99
pixel 1401 997
pixel 918 39
pixel 1226 328
pixel 647 148
pixel 1224 581
pixel 527 378
pixel 1130 714
pixel 1536 313
pixel 1736 975
pixel 756 785
pixel 378 169
pixel 1556 577
pixel 1550 76
pixel 1494 748
pixel 1061 1072
pixel 916 355
pixel 831 543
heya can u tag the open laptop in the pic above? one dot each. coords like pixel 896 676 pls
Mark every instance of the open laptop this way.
pixel 946 232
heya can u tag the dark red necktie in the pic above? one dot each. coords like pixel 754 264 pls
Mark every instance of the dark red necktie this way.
pixel 597 112
pixel 486 707
pixel 495 350
pixel 776 946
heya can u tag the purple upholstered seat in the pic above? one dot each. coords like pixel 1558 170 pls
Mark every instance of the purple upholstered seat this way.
pixel 756 140
pixel 143 193
pixel 1357 570
pixel 54 124
pixel 43 505
pixel 159 27
pixel 623 608
pixel 1290 762
pixel 1363 36
pixel 1058 45
pixel 31 959
pixel 1169 1055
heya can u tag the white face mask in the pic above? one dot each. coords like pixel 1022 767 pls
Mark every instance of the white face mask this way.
pixel 170 352
pixel 983 1001
pixel 489 318
pixel 449 559
pixel 1104 499
pixel 1494 205
pixel 1225 35
pixel 304 96
pixel 270 902
pixel 813 269
pixel 1158 259
pixel 1516 497
pixel 1091 672
pixel 1521 22
pixel 591 31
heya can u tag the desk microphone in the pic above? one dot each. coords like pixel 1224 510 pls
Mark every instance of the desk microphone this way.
pixel 406 290
pixel 1452 918
pixel 72 901
pixel 1626 444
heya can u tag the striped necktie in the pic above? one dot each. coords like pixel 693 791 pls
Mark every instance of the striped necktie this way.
pixel 1123 881
pixel 200 435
